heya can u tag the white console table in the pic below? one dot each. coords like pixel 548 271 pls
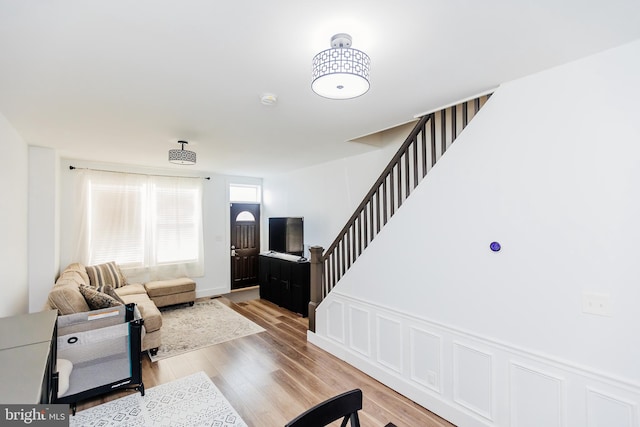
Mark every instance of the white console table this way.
pixel 27 357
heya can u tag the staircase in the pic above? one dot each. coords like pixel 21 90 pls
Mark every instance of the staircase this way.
pixel 426 144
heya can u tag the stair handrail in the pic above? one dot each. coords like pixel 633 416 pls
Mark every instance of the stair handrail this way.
pixel 374 188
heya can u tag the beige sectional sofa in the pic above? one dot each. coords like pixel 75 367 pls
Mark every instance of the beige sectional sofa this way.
pixel 82 288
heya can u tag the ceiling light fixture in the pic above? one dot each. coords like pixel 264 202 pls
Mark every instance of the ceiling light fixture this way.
pixel 341 72
pixel 182 156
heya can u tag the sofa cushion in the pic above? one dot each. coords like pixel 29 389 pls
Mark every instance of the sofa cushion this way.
pixel 69 280
pixel 67 299
pixel 148 310
pixel 97 300
pixel 105 274
pixel 72 276
pixel 169 287
pixel 79 269
pixel 131 289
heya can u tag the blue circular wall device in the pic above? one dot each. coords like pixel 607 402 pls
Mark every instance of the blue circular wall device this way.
pixel 495 246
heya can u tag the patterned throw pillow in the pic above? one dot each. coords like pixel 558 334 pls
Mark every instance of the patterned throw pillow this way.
pixel 97 300
pixel 108 289
pixel 105 274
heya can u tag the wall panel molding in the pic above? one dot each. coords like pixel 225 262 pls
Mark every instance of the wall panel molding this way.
pixel 336 321
pixel 494 343
pixel 425 361
pixel 389 344
pixel 473 379
pixel 528 385
pixel 466 378
pixel 605 409
pixel 360 330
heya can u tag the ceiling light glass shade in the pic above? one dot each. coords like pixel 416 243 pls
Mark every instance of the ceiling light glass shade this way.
pixel 341 72
pixel 182 156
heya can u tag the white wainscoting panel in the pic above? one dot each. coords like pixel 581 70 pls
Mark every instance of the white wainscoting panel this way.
pixel 473 379
pixel 606 410
pixel 360 331
pixel 335 321
pixel 389 342
pixel 529 385
pixel 426 358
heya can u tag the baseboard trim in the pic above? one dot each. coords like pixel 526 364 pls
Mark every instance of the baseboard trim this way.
pixel 211 292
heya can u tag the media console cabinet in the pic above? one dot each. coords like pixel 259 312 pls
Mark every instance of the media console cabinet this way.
pixel 284 280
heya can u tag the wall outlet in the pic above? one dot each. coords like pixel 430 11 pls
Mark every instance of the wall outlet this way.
pixel 596 303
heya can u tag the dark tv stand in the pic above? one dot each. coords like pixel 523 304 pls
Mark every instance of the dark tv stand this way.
pixel 284 280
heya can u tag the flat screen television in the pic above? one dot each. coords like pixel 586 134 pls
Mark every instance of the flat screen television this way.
pixel 286 235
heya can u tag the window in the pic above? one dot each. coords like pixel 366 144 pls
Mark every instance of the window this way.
pixel 142 222
pixel 177 222
pixel 244 193
pixel 116 223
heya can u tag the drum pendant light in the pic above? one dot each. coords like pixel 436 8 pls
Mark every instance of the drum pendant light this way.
pixel 340 72
pixel 182 156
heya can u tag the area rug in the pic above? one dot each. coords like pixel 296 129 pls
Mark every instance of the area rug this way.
pixel 210 322
pixel 190 401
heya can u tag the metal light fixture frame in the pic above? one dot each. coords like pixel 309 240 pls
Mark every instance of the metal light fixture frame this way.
pixel 341 72
pixel 182 156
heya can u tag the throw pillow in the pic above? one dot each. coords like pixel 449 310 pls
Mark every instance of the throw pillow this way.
pixel 108 289
pixel 105 274
pixel 97 300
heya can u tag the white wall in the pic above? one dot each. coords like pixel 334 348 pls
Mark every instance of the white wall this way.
pixel 13 222
pixel 43 224
pixel 550 169
pixel 216 280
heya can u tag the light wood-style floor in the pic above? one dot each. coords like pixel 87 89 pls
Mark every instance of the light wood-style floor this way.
pixel 271 377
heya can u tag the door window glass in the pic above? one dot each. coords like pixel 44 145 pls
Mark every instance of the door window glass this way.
pixel 245 216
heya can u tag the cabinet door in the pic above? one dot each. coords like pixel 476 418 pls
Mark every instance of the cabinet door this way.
pixel 275 291
pixel 300 288
pixel 285 284
pixel 263 277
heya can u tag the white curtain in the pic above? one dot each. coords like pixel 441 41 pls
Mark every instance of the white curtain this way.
pixel 150 225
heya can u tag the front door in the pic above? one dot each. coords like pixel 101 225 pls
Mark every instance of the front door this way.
pixel 245 244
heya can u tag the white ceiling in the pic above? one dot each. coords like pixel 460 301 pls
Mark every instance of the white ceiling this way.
pixel 121 81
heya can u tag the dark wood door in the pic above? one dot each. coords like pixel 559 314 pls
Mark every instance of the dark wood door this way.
pixel 245 244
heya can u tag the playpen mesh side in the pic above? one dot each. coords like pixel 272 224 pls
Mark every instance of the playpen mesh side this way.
pixel 89 320
pixel 100 356
pixel 96 344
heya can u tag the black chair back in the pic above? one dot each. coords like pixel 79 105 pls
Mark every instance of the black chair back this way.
pixel 345 406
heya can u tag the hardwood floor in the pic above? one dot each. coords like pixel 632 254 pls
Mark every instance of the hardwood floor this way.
pixel 271 377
